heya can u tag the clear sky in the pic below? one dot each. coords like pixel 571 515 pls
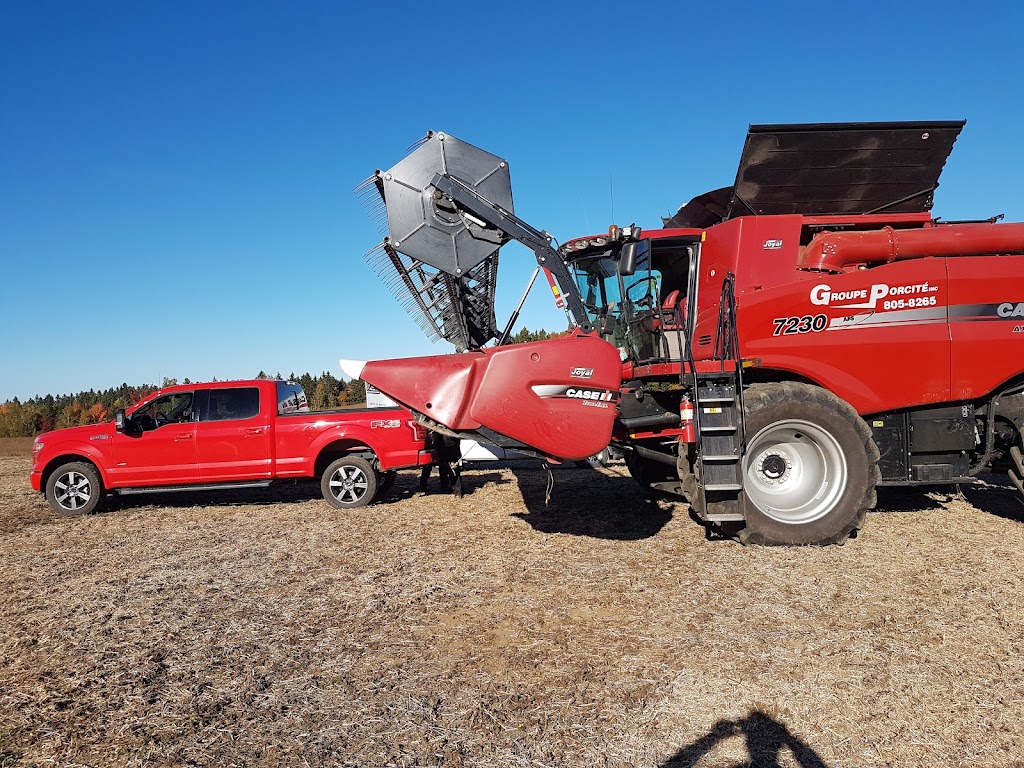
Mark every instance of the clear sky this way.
pixel 176 178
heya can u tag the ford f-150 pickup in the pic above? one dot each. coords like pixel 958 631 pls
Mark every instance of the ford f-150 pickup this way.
pixel 237 434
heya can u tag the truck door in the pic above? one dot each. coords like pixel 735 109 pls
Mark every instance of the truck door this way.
pixel 162 448
pixel 233 435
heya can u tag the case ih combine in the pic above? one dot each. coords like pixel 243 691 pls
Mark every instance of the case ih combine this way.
pixel 772 354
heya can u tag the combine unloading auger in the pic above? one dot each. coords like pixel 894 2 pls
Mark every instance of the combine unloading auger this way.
pixel 448 209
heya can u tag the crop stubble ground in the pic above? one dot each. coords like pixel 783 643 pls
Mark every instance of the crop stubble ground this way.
pixel 492 630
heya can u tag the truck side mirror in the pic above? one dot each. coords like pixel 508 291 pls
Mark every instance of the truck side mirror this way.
pixel 627 259
pixel 120 421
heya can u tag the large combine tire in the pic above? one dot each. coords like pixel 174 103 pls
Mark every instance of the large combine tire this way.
pixel 810 467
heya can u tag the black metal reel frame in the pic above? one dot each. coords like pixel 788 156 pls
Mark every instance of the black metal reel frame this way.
pixel 517 229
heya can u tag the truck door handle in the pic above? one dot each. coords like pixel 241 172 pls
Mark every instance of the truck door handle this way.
pixel 183 436
pixel 254 431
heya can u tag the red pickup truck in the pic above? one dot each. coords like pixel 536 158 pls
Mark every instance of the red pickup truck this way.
pixel 237 434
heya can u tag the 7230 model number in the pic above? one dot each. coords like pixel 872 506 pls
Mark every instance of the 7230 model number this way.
pixel 786 326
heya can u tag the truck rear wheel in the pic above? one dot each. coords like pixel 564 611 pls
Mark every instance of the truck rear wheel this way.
pixel 74 489
pixel 810 468
pixel 349 482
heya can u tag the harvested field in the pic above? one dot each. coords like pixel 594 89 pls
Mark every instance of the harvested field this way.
pixel 492 631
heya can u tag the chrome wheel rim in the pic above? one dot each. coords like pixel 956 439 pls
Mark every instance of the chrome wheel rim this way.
pixel 72 491
pixel 348 484
pixel 794 472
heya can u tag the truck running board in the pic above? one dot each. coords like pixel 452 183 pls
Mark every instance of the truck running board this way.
pixel 204 487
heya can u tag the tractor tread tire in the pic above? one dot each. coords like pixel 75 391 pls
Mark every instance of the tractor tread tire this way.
pixel 810 401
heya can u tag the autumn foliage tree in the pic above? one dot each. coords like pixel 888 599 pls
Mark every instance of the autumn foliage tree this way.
pixel 43 413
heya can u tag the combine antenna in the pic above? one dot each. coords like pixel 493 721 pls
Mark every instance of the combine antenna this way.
pixel 611 195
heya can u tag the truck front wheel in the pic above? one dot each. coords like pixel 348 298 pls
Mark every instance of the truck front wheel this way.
pixel 349 482
pixel 74 489
pixel 810 467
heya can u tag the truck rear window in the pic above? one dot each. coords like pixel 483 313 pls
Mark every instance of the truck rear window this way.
pixel 291 398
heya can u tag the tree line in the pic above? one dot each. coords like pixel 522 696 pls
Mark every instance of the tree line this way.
pixel 41 414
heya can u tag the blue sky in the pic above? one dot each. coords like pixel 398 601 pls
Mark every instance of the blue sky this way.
pixel 176 179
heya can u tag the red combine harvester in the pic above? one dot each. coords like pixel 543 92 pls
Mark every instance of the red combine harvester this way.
pixel 772 354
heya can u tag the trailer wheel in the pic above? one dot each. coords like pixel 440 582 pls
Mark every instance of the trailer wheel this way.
pixel 74 489
pixel 349 482
pixel 810 468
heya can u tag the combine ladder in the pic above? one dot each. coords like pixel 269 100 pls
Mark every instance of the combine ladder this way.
pixel 718 410
pixel 720 436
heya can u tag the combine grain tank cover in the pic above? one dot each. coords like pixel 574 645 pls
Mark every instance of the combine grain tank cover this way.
pixel 830 168
pixel 842 168
pixel 425 226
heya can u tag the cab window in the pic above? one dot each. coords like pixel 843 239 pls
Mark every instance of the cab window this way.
pixel 229 403
pixel 169 409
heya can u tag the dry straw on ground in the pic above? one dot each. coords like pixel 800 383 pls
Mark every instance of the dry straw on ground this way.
pixel 492 631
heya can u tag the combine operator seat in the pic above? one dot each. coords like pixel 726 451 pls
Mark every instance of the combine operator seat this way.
pixel 664 326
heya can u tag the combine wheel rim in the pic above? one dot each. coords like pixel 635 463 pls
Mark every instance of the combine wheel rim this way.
pixel 794 471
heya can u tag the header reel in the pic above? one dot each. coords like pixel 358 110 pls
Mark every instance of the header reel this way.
pixel 448 210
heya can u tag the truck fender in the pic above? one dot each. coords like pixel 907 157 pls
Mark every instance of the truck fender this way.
pixel 76 451
pixel 351 437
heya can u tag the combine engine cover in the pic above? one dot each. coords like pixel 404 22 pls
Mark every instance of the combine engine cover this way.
pixel 448 209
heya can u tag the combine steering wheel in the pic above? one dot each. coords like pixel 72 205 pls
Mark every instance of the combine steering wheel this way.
pixel 646 299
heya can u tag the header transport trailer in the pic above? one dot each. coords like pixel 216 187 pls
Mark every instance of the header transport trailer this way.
pixel 773 353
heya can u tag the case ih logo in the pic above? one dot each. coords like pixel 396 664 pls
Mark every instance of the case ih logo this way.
pixel 593 397
pixel 865 298
pixel 589 394
pixel 581 373
pixel 1009 309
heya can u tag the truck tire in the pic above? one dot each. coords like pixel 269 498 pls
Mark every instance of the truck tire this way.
pixel 74 489
pixel 349 482
pixel 810 467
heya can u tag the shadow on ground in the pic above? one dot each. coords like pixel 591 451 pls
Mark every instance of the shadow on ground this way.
pixel 766 742
pixel 992 494
pixel 586 502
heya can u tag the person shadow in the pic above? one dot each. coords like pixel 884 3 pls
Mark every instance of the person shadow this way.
pixel 766 740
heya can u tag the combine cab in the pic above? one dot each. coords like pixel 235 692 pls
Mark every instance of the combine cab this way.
pixel 773 353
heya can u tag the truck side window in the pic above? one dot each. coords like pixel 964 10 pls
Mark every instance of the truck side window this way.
pixel 169 409
pixel 231 403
